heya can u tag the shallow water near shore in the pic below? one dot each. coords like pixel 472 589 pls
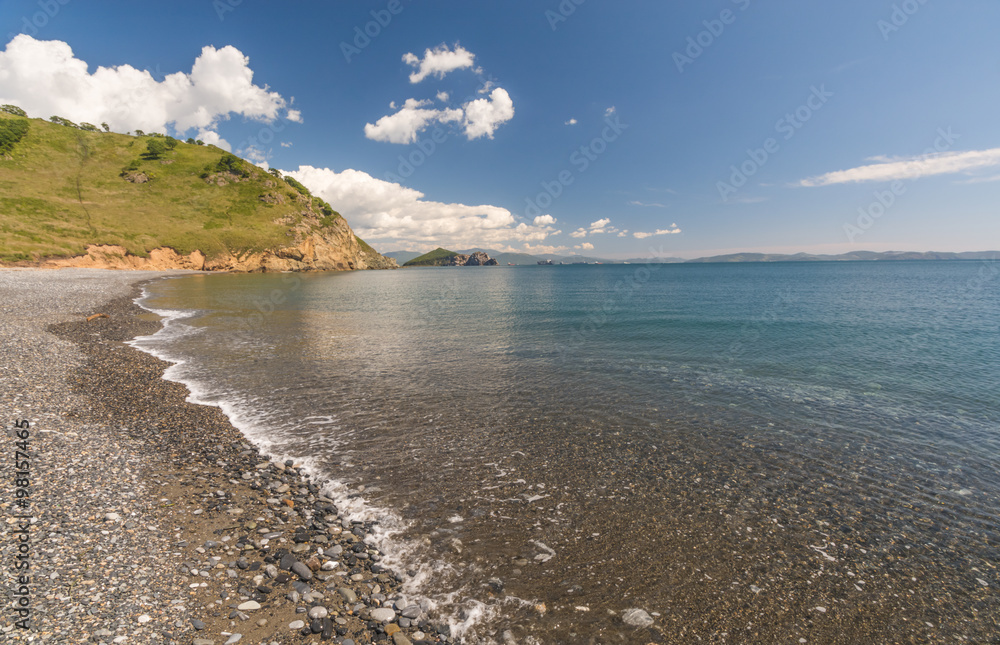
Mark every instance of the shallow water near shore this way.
pixel 801 452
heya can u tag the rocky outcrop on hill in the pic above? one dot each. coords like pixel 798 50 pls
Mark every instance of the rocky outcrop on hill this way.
pixel 477 259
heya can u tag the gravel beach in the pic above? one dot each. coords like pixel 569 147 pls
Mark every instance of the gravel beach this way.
pixel 152 520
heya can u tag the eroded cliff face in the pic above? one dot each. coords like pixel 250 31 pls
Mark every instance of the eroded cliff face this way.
pixel 332 247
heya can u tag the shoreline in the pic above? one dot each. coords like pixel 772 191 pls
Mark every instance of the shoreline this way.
pixel 199 538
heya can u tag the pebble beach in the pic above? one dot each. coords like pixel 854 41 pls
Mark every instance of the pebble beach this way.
pixel 153 520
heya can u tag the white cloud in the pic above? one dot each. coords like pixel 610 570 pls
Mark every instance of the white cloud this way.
pixel 483 116
pixel 543 220
pixel 570 122
pixel 980 180
pixel 673 230
pixel 623 233
pixel 438 62
pixel 895 168
pixel 294 115
pixel 213 139
pixel 586 246
pixel 652 204
pixel 578 233
pixel 602 226
pixel 443 97
pixel 286 144
pixel 45 78
pixel 478 118
pixel 408 122
pixel 380 209
pixel 542 248
pixel 611 110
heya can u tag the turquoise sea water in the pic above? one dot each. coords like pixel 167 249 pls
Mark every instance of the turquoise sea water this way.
pixel 754 452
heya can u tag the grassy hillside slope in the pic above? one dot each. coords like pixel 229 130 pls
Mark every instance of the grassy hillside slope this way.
pixel 61 188
pixel 437 257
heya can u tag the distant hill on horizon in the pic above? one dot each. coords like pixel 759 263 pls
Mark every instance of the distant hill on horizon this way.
pixel 853 256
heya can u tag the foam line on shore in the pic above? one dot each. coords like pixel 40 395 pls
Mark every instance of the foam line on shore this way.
pixel 462 612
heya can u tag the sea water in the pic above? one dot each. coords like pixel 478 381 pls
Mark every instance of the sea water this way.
pixel 773 453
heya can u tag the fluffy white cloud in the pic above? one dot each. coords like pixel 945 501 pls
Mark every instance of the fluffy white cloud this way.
pixel 586 246
pixel 543 220
pixel 602 226
pixel 540 248
pixel 213 139
pixel 438 61
pixel 895 168
pixel 478 118
pixel 673 230
pixel 653 204
pixel 408 122
pixel 483 116
pixel 610 111
pixel 383 210
pixel 294 115
pixel 570 122
pixel 442 96
pixel 45 78
pixel 578 233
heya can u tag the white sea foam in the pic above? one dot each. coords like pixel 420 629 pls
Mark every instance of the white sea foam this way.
pixel 463 614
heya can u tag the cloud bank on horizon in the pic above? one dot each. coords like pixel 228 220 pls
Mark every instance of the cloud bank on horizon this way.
pixel 382 210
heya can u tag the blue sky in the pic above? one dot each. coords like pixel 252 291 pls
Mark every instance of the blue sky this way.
pixel 666 101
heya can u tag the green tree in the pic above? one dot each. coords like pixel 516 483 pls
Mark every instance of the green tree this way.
pixel 140 133
pixel 156 148
pixel 275 172
pixel 172 143
pixel 106 127
pixel 190 140
pixel 89 127
pixel 61 121
pixel 200 142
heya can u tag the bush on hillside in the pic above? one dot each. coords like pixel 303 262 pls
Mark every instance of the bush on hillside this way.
pixel 89 127
pixel 11 131
pixel 297 186
pixel 13 109
pixel 58 120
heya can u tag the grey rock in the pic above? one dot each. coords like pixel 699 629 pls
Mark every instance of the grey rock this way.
pixel 296 624
pixel 318 612
pixel 235 638
pixel 636 617
pixel 413 611
pixel 197 624
pixel 348 595
pixel 383 615
pixel 250 605
pixel 302 571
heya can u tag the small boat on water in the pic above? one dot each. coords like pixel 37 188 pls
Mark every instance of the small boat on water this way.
pixel 545 262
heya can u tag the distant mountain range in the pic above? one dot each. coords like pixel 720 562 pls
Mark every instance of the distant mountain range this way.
pixel 855 256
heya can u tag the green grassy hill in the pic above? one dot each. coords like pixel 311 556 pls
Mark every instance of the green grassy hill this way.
pixel 63 188
pixel 436 258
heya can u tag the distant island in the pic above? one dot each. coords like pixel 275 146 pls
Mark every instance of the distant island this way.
pixel 80 195
pixel 444 258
